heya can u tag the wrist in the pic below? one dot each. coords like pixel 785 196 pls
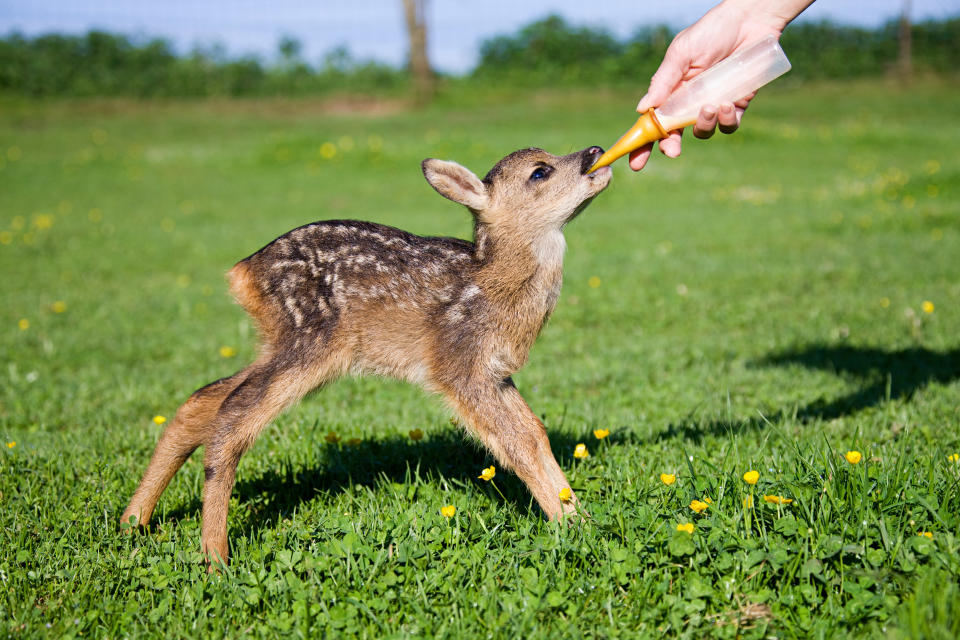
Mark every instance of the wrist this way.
pixel 775 14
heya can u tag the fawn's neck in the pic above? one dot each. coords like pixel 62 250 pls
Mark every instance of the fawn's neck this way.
pixel 521 271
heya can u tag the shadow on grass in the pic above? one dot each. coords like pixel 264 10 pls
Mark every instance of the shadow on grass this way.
pixel 887 375
pixel 278 492
pixel 884 375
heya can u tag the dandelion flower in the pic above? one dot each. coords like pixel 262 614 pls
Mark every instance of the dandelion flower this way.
pixel 927 306
pixel 227 352
pixel 668 478
pixel 928 534
pixel 600 434
pixel 488 473
pixel 11 445
pixel 416 435
pixel 448 511
pixel 853 457
pixel 332 437
pixel 751 477
pixel 158 420
pixel 580 451
pixel 698 506
pixel 594 282
pixel 708 500
pixel 59 306
pixel 353 442
pixel 565 494
pixel 688 527
pixel 777 500
pixel 953 457
pixel 24 324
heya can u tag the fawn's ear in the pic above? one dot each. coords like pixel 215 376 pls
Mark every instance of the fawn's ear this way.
pixel 456 182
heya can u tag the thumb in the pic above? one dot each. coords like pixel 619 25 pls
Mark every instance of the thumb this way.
pixel 664 81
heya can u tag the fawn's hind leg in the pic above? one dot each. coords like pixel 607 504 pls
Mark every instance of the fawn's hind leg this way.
pixel 255 402
pixel 498 415
pixel 187 431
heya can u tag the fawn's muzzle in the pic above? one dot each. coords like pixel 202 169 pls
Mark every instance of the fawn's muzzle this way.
pixel 590 157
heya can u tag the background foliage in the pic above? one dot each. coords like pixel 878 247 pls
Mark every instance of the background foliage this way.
pixel 548 52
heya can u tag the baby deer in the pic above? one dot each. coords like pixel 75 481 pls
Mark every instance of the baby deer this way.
pixel 458 318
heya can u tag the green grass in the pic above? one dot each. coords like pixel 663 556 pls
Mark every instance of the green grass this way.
pixel 760 306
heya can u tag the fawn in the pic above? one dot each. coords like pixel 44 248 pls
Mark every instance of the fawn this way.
pixel 345 297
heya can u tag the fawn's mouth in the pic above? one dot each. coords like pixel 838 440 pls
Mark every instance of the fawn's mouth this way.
pixel 599 179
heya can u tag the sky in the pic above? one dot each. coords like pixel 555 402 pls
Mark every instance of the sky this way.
pixel 374 29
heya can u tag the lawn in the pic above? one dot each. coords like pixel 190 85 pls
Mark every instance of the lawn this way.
pixel 769 301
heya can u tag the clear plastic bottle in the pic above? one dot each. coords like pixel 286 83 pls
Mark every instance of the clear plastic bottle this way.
pixel 727 81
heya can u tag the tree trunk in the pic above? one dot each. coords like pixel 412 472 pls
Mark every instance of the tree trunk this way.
pixel 904 59
pixel 419 63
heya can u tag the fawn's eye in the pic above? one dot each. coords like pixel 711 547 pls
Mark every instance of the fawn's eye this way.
pixel 540 173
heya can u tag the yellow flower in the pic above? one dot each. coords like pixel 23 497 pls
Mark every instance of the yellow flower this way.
pixel 352 442
pixel 594 282
pixel 600 434
pixel 488 473
pixel 332 437
pixel 853 457
pixel 11 445
pixel 59 306
pixel 416 434
pixel 159 419
pixel 448 511
pixel 777 500
pixel 927 306
pixel 748 502
pixel 227 352
pixel 688 527
pixel 43 221
pixel 24 324
pixel 580 451
pixel 708 500
pixel 928 534
pixel 565 494
pixel 751 477
pixel 953 457
pixel 698 506
pixel 668 478
pixel 328 150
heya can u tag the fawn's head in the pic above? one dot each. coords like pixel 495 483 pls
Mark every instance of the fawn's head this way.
pixel 529 192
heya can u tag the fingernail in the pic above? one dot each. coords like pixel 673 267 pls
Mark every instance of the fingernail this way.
pixel 726 108
pixel 709 112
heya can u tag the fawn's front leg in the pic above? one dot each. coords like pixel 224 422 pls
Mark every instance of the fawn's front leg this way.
pixel 498 415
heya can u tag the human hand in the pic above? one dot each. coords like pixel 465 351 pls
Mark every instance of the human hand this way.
pixel 724 30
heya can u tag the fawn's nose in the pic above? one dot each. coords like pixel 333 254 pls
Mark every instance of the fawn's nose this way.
pixel 590 155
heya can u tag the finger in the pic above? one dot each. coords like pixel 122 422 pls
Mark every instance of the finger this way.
pixel 639 157
pixel 670 146
pixel 727 120
pixel 742 103
pixel 666 79
pixel 706 123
